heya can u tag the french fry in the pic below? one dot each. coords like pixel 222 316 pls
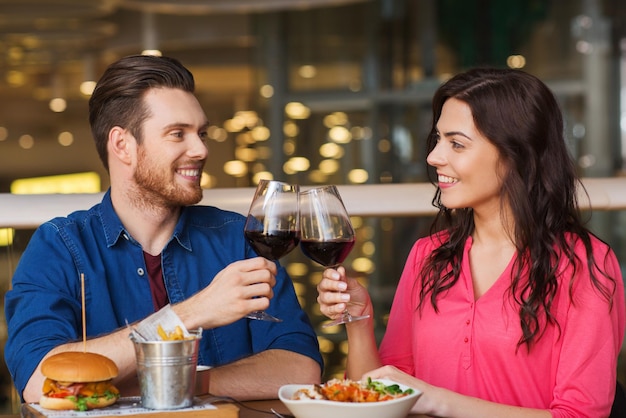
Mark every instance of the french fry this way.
pixel 161 332
pixel 175 335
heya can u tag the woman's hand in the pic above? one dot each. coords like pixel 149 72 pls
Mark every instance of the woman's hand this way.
pixel 336 292
pixel 426 403
pixel 439 402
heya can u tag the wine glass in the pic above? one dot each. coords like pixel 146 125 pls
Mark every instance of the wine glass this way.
pixel 272 225
pixel 326 234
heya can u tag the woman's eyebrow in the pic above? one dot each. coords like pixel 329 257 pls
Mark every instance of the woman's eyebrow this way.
pixel 454 133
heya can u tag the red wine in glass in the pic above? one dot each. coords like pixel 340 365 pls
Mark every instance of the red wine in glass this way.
pixel 326 233
pixel 327 253
pixel 272 246
pixel 272 225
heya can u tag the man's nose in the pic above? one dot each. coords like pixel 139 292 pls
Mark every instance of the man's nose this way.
pixel 199 148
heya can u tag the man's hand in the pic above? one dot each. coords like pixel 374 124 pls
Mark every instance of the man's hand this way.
pixel 242 287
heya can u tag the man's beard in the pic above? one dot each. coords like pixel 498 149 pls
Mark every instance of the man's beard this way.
pixel 156 186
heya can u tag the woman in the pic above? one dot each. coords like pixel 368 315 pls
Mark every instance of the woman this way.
pixel 510 307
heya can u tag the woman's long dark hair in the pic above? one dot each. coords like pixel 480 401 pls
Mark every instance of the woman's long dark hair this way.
pixel 521 117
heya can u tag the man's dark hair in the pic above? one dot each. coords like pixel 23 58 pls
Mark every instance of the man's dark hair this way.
pixel 117 99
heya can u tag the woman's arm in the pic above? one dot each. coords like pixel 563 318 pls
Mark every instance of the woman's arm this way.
pixel 338 292
pixel 439 402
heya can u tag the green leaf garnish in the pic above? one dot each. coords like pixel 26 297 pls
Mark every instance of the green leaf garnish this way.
pixel 393 389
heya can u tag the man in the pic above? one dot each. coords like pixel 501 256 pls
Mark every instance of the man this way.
pixel 146 246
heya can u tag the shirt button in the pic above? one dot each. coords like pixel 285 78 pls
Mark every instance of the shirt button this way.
pixel 465 339
pixel 140 271
pixel 467 322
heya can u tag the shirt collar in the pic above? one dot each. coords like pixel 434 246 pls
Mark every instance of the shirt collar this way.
pixel 181 232
pixel 111 223
pixel 114 229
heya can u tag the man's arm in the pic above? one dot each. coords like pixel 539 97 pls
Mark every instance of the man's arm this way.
pixel 117 346
pixel 261 375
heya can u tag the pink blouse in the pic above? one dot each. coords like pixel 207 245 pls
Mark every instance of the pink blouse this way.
pixel 470 346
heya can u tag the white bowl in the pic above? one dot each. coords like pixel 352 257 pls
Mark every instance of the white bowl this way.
pixel 313 408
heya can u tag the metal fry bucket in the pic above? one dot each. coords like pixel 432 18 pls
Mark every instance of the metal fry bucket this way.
pixel 167 372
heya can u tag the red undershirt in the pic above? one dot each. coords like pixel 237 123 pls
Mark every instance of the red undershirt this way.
pixel 155 277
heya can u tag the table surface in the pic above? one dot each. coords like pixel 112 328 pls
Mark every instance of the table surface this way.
pixel 251 409
pixel 278 406
pixel 261 406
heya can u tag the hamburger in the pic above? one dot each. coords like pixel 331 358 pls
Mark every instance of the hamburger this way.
pixel 78 380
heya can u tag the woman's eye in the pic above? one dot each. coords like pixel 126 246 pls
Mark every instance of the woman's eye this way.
pixel 456 145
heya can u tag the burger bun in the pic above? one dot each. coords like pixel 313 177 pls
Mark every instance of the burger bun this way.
pixel 70 372
pixel 79 366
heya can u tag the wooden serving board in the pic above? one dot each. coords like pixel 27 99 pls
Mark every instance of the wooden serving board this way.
pixel 224 410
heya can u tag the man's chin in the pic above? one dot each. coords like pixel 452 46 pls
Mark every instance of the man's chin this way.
pixel 192 198
pixel 166 191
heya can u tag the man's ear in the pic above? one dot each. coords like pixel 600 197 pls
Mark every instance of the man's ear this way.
pixel 120 144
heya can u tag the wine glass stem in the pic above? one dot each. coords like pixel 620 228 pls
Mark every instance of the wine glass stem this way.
pixel 346 315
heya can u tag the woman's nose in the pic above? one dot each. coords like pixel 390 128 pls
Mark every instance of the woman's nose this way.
pixel 435 157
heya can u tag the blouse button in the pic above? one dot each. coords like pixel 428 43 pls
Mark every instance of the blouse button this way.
pixel 140 271
pixel 465 339
pixel 467 322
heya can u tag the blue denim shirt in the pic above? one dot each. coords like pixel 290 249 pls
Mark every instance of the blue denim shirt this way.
pixel 43 308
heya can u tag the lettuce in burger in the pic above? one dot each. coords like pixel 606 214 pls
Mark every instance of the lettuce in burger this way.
pixel 78 380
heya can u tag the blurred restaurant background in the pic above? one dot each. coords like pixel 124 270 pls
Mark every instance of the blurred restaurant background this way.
pixel 306 91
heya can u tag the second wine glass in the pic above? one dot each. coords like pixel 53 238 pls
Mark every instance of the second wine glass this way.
pixel 326 233
pixel 272 225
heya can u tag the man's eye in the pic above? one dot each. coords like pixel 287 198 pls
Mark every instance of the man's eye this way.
pixel 177 134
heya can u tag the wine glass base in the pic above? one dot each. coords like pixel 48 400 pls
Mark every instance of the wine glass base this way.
pixel 263 316
pixel 344 319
